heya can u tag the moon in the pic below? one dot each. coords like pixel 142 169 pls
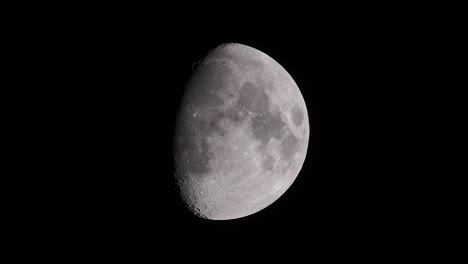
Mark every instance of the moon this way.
pixel 241 134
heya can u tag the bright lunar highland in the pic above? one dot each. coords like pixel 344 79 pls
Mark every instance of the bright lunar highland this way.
pixel 241 134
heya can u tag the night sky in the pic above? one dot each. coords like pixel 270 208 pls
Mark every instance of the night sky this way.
pixel 124 90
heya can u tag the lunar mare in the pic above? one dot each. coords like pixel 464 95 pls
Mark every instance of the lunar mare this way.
pixel 242 134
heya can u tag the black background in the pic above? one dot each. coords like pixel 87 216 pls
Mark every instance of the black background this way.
pixel 118 78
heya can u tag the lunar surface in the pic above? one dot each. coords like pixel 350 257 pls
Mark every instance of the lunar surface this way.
pixel 241 136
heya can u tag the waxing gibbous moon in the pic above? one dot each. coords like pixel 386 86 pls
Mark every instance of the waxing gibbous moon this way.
pixel 241 134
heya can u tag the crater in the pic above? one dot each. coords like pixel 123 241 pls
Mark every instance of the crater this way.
pixel 297 115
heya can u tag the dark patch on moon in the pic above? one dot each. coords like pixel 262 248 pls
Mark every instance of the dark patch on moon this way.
pixel 192 147
pixel 193 151
pixel 233 115
pixel 213 125
pixel 200 161
pixel 289 145
pixel 202 91
pixel 230 114
pixel 253 98
pixel 266 126
pixel 297 115
pixel 268 163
